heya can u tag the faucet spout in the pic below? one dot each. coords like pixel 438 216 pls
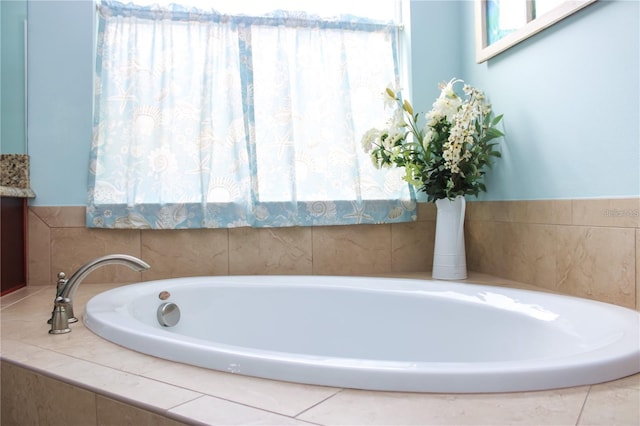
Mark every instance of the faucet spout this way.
pixel 67 288
pixel 72 284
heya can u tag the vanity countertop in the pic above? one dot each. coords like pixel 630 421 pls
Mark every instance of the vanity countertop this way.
pixel 14 176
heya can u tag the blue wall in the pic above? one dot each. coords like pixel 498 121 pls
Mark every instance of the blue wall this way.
pixel 60 75
pixel 570 96
pixel 13 14
pixel 435 39
pixel 571 100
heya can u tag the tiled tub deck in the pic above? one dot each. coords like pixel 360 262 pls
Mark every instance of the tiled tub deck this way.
pixel 81 379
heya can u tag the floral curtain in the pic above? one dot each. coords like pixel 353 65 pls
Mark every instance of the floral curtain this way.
pixel 209 120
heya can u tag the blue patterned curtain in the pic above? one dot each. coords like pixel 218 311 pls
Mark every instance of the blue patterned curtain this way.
pixel 206 120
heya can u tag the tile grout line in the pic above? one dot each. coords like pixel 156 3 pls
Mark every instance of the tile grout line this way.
pixel 317 404
pixel 584 403
pixel 253 407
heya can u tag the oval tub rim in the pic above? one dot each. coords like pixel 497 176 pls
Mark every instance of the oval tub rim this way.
pixel 443 376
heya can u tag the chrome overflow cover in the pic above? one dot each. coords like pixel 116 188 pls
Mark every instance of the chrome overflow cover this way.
pixel 168 314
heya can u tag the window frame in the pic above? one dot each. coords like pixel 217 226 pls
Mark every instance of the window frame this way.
pixel 485 51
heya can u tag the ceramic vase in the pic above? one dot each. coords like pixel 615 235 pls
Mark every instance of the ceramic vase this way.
pixel 449 259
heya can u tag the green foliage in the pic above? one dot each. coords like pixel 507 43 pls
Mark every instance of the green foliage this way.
pixel 450 155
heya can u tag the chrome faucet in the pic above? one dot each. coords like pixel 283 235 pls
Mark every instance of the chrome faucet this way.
pixel 62 313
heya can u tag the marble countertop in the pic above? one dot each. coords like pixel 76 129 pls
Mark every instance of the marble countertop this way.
pixel 195 395
pixel 14 176
pixel 7 191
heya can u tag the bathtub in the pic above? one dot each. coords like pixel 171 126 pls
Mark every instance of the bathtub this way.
pixel 374 333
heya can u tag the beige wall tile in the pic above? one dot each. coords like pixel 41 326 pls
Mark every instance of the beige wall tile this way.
pixel 500 211
pixel 412 246
pixel 530 254
pixel 184 253
pixel 17 384
pixel 270 251
pixel 54 403
pixel 39 251
pixel 485 245
pixel 133 388
pixel 31 398
pixel 476 211
pixel 623 212
pixel 73 247
pixel 518 251
pixel 61 217
pixel 525 211
pixel 110 413
pixel 536 211
pixel 499 241
pixel 562 211
pixel 638 269
pixel 351 250
pixel 426 211
pixel 540 211
pixel 597 263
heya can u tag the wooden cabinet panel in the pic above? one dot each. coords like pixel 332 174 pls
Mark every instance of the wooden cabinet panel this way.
pixel 13 270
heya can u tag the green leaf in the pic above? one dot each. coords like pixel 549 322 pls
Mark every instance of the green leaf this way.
pixel 493 133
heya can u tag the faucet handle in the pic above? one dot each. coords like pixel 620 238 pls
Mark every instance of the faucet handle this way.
pixel 60 317
pixel 62 281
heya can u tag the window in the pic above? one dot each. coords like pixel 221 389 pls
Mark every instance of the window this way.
pixel 224 118
pixel 501 24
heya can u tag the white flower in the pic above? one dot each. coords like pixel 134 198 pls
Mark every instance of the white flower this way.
pixel 446 105
pixel 397 119
pixel 369 139
pixel 453 141
pixel 394 135
pixel 390 95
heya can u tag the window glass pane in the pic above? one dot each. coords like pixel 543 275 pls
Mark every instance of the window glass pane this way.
pixel 504 17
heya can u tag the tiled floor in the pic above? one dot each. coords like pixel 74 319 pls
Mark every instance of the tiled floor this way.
pixel 199 396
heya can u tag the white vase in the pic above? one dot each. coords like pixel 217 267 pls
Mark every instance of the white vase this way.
pixel 449 259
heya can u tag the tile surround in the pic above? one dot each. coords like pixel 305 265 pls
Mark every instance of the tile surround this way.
pixel 186 253
pixel 638 269
pixel 606 401
pixel 59 402
pixel 584 248
pixel 597 263
pixel 590 248
pixel 587 248
pixel 270 251
pixel 110 412
pixel 79 378
pixel 557 407
pixel 351 250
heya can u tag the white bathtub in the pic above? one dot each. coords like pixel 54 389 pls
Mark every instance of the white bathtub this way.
pixel 376 333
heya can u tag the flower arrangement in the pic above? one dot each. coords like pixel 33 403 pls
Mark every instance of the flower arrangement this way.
pixel 447 157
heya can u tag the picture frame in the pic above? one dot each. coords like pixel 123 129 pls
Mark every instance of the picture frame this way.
pixel 486 49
